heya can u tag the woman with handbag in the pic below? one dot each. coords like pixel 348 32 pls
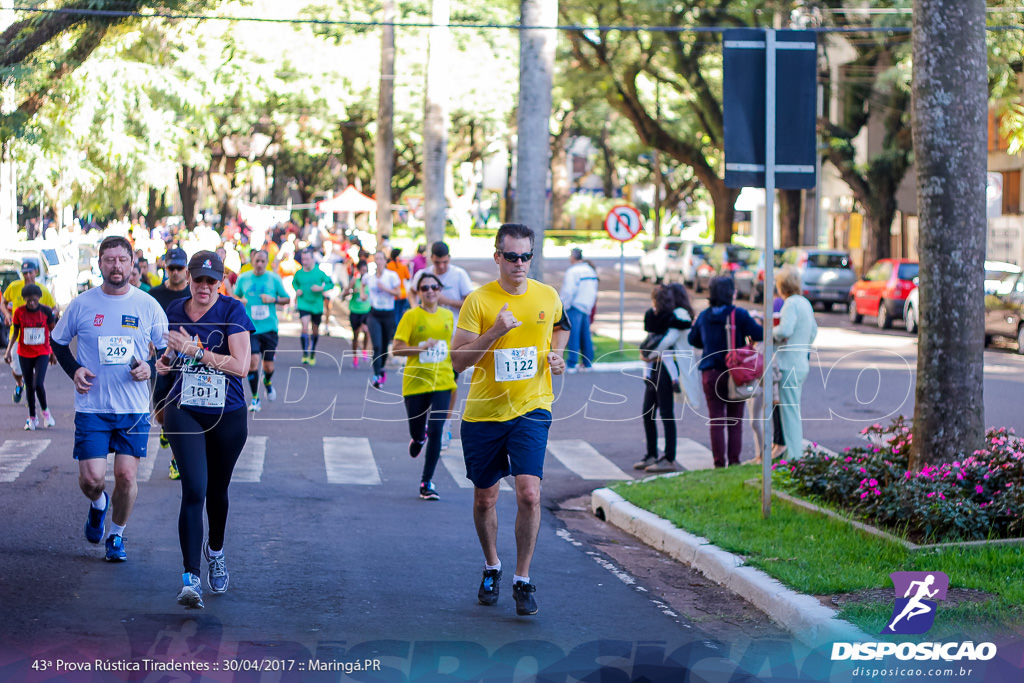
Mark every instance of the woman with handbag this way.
pixel 795 333
pixel 720 328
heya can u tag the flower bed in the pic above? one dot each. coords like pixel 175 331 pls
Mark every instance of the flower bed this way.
pixel 979 497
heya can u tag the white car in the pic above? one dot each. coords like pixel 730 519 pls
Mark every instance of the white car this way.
pixel 660 259
pixel 995 271
pixel 58 266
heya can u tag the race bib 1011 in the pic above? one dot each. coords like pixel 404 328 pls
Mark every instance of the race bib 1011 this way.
pixel 202 388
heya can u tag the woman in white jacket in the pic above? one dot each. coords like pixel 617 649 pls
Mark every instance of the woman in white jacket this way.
pixel 794 334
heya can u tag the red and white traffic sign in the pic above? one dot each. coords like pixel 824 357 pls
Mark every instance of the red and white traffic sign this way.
pixel 623 223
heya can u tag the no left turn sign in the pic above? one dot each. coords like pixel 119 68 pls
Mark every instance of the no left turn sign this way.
pixel 623 223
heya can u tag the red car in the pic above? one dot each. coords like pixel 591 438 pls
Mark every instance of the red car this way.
pixel 883 290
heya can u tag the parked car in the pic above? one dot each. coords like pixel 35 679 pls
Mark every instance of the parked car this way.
pixel 1004 310
pixel 10 270
pixel 690 257
pixel 757 281
pixel 660 259
pixel 996 273
pixel 723 259
pixel 58 266
pixel 826 275
pixel 882 291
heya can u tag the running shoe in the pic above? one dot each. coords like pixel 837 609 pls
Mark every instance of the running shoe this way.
pixel 217 578
pixel 271 392
pixel 489 587
pixel 48 420
pixel 31 424
pixel 164 443
pixel 376 382
pixel 355 361
pixel 172 470
pixel 305 360
pixel 522 593
pixel 94 523
pixel 415 447
pixel 383 377
pixel 645 463
pixel 446 439
pixel 115 549
pixel 191 594
pixel 312 359
pixel 428 492
pixel 663 465
pixel 254 407
pixel 17 394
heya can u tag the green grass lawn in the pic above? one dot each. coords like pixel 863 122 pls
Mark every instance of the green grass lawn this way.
pixel 818 555
pixel 606 350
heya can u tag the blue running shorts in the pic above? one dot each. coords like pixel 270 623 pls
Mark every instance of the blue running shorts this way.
pixel 97 434
pixel 493 450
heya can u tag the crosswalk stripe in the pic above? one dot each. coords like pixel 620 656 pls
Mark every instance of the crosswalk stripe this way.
pixel 454 462
pixel 349 460
pixel 249 467
pixel 690 454
pixel 583 460
pixel 15 456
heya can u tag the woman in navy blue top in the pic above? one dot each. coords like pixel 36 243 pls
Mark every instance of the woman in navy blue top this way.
pixel 205 420
pixel 709 333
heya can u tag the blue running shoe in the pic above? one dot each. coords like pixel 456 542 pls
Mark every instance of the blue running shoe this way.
pixel 17 394
pixel 94 523
pixel 489 587
pixel 217 578
pixel 115 549
pixel 191 594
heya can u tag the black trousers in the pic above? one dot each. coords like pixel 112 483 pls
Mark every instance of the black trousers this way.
pixel 658 397
pixel 206 448
pixel 382 331
pixel 427 413
pixel 34 372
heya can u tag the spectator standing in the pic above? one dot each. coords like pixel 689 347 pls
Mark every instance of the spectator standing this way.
pixel 579 298
pixel 795 333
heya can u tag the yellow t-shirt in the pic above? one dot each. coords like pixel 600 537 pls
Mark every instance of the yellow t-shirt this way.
pixel 432 369
pixel 513 377
pixel 13 296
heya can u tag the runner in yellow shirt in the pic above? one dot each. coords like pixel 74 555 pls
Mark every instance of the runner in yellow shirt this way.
pixel 514 332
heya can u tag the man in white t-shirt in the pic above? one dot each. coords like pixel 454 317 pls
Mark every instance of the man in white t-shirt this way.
pixel 579 296
pixel 115 325
pixel 457 286
pixel 382 286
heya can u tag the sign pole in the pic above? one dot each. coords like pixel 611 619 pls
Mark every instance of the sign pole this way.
pixel 622 291
pixel 767 382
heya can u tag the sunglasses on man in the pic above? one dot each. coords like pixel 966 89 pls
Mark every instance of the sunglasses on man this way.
pixel 512 256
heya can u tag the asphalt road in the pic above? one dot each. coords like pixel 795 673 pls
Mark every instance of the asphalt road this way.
pixel 345 564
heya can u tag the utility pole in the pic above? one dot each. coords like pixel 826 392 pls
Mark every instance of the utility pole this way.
pixel 435 122
pixel 384 150
pixel 8 176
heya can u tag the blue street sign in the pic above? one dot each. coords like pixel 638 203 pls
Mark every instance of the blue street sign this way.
pixel 744 98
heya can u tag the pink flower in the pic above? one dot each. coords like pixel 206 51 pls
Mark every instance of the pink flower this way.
pixel 930 494
pixel 872 482
pixel 864 495
pixel 979 489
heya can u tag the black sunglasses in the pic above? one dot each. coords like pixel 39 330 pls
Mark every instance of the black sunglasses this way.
pixel 512 256
pixel 208 281
pixel 427 288
pixel 170 268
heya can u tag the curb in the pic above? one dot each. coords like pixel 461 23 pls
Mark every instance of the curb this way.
pixel 807 619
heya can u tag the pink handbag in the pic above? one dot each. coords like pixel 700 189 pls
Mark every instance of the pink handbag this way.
pixel 745 363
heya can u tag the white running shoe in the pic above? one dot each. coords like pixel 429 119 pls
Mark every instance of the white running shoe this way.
pixel 271 393
pixel 254 407
pixel 31 424
pixel 446 440
pixel 48 420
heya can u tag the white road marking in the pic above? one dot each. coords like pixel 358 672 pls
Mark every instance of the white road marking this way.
pixel 249 467
pixel 349 460
pixel 17 455
pixel 583 460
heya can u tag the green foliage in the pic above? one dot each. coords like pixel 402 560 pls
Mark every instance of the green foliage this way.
pixel 978 497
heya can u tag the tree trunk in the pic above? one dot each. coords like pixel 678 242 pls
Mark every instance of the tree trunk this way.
pixel 152 207
pixel 385 143
pixel 536 69
pixel 724 200
pixel 949 119
pixel 188 191
pixel 435 123
pixel 561 188
pixel 610 179
pixel 790 209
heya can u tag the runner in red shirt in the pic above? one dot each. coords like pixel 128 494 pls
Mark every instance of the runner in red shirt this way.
pixel 30 328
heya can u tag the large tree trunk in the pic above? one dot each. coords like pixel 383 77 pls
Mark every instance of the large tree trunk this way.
pixel 949 114
pixel 790 209
pixel 536 70
pixel 435 124
pixel 561 187
pixel 385 143
pixel 188 191
pixel 724 200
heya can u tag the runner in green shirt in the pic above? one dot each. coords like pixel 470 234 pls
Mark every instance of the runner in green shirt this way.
pixel 309 284
pixel 358 313
pixel 261 291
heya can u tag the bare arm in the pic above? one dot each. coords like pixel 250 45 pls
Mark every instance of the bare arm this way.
pixel 401 348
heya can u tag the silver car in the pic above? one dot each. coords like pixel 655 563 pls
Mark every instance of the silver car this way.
pixel 826 275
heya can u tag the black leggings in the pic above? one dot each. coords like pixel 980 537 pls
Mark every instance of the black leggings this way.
pixel 658 396
pixel 418 407
pixel 382 331
pixel 206 448
pixel 34 372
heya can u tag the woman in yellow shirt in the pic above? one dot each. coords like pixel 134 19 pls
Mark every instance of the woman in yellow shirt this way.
pixel 423 337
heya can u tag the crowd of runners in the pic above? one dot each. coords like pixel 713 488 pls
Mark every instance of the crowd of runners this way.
pixel 175 344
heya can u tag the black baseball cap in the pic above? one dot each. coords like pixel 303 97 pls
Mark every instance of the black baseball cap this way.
pixel 29 264
pixel 176 257
pixel 206 264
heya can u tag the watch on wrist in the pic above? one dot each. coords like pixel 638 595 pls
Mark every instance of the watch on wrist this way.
pixel 199 355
